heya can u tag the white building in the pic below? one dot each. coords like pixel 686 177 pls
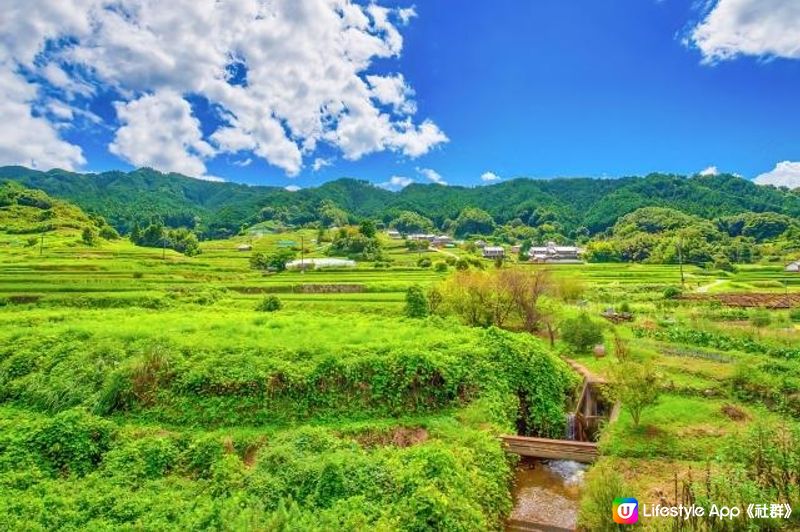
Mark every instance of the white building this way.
pixel 493 252
pixel 319 264
pixel 441 240
pixel 793 267
pixel 394 234
pixel 553 253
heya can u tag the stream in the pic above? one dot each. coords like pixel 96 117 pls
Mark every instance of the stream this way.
pixel 547 492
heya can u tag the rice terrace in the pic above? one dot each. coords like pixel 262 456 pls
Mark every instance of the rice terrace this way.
pixel 236 385
pixel 385 265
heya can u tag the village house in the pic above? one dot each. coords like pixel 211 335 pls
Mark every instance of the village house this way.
pixel 244 247
pixel 516 248
pixel 441 241
pixel 394 234
pixel 480 244
pixel 493 252
pixel 421 236
pixel 793 267
pixel 553 253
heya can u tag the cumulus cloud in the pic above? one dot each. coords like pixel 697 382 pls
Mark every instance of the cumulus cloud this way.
pixel 292 188
pixel 31 140
pixel 488 177
pixel 711 170
pixel 283 77
pixel 785 174
pixel 159 130
pixel 396 182
pixel 432 175
pixel 749 27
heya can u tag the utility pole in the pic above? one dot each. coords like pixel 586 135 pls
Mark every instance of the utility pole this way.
pixel 680 260
pixel 302 255
pixel 41 244
pixel 164 248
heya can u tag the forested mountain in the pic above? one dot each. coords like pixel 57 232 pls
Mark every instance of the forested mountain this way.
pixel 576 205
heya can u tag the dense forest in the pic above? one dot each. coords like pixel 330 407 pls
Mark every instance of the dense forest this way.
pixel 570 207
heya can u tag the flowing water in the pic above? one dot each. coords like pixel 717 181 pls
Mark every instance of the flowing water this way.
pixel 547 492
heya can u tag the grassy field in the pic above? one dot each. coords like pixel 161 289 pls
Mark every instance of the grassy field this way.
pixel 141 389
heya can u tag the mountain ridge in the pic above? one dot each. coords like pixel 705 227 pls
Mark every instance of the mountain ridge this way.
pixel 221 208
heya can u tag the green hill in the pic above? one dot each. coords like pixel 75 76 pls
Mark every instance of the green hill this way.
pixel 577 205
pixel 25 211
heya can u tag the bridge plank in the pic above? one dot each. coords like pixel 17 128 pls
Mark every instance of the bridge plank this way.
pixel 550 449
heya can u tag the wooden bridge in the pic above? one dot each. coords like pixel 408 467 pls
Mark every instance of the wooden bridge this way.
pixel 580 451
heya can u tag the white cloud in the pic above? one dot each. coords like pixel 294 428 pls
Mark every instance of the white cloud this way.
pixel 711 170
pixel 432 175
pixel 393 90
pixel 406 14
pixel 749 27
pixel 396 182
pixel 488 177
pixel 292 188
pixel 320 163
pixel 785 174
pixel 243 163
pixel 27 139
pixel 304 69
pixel 158 130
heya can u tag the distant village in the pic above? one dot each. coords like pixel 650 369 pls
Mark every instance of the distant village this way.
pixel 548 253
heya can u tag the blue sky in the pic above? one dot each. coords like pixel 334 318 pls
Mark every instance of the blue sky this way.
pixel 437 91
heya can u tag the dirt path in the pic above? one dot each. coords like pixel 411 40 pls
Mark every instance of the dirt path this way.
pixel 443 252
pixel 706 287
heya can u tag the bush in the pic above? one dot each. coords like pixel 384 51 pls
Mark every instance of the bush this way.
pixel 581 333
pixel 32 241
pixel 671 292
pixel 88 236
pixel 794 315
pixel 416 302
pixel 73 441
pixel 440 266
pixel 424 262
pixel 625 307
pixel 760 319
pixel 108 233
pixel 603 485
pixel 462 265
pixel 272 261
pixel 269 304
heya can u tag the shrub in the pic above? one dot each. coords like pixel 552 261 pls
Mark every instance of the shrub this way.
pixel 271 261
pixel 138 275
pixel 625 307
pixel 440 266
pixel 73 441
pixel 760 319
pixel 603 485
pixel 462 265
pixel 416 302
pixel 671 292
pixel 108 233
pixel 88 236
pixel 270 303
pixel 581 333
pixel 794 315
pixel 424 262
pixel 32 241
pixel 636 386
